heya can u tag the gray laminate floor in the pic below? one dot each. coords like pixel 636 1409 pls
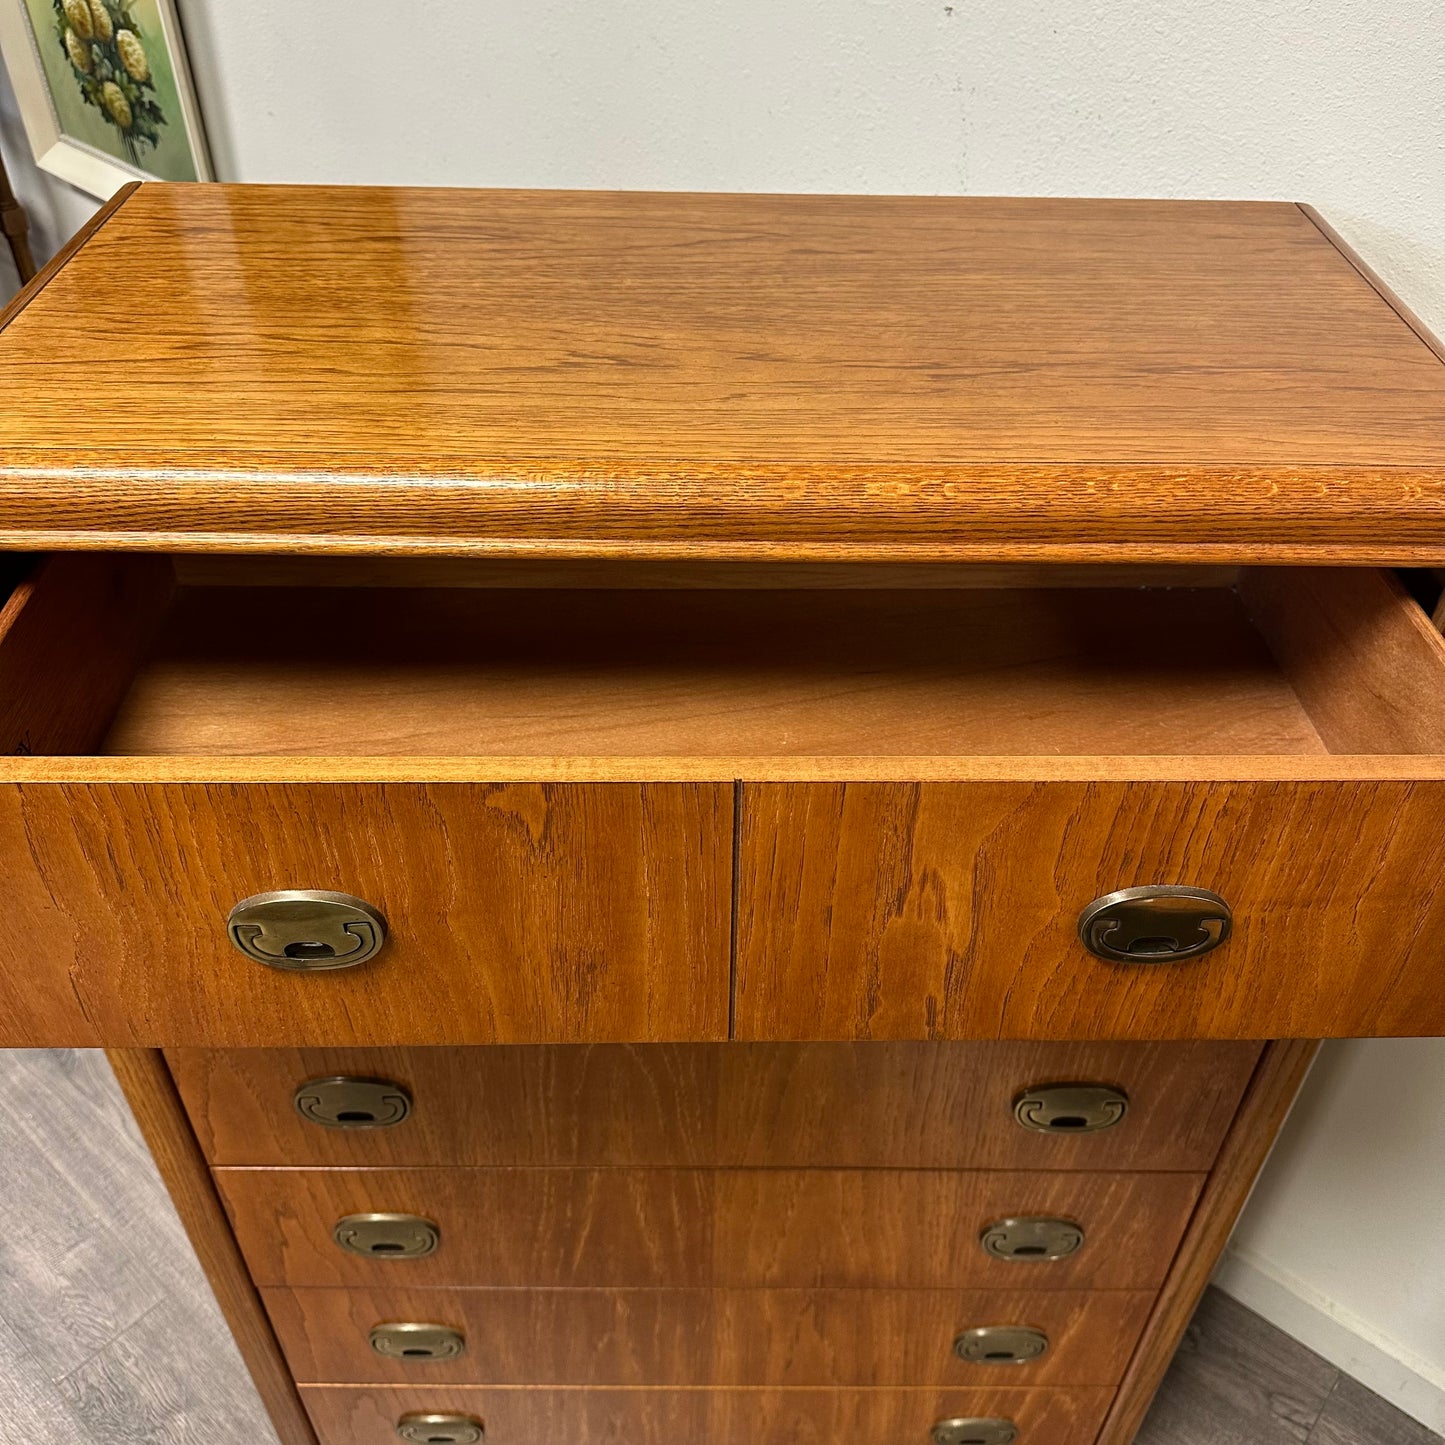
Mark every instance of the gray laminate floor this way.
pixel 108 1335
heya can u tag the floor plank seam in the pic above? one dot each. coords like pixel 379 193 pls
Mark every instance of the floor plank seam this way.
pixel 120 1334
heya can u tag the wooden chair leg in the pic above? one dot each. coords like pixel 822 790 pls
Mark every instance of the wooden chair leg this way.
pixel 16 227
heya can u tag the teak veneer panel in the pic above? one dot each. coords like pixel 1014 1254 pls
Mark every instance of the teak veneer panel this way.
pixel 222 569
pixel 73 632
pixel 720 1417
pixel 516 913
pixel 876 1105
pixel 709 1337
pixel 681 1228
pixel 1365 660
pixel 817 377
pixel 471 672
pixel 949 910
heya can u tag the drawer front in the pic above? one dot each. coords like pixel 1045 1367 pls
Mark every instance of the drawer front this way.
pixel 900 1105
pixel 521 913
pixel 701 1337
pixel 720 1417
pixel 678 1228
pixel 950 910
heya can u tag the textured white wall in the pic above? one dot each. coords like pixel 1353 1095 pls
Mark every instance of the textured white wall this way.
pixel 1340 102
pixel 1343 1244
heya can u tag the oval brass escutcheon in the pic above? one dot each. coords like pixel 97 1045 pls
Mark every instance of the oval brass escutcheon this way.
pixel 1160 923
pixel 1032 1238
pixel 1071 1108
pixel 306 929
pixel 1001 1345
pixel 407 1341
pixel 974 1430
pixel 424 1428
pixel 387 1236
pixel 342 1102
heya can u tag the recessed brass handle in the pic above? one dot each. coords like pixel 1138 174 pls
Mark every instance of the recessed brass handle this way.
pixel 343 1102
pixel 1032 1238
pixel 1001 1345
pixel 407 1340
pixel 1160 923
pixel 975 1430
pixel 306 929
pixel 424 1428
pixel 387 1236
pixel 1071 1108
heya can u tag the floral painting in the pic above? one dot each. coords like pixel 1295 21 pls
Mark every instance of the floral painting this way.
pixel 111 73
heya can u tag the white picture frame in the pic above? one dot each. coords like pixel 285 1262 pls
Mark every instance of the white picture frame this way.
pixel 89 166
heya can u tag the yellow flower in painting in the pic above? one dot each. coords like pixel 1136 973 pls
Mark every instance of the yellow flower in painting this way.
pixel 77 13
pixel 132 54
pixel 100 18
pixel 116 103
pixel 78 51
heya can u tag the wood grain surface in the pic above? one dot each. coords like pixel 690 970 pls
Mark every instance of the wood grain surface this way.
pixel 1385 293
pixel 72 635
pixel 108 1335
pixel 764 768
pixel 872 1105
pixel 62 257
pixel 1365 660
pixel 360 569
pixel 346 1416
pixel 516 913
pixel 949 910
pixel 470 672
pixel 706 1228
pixel 623 889
pixel 158 1111
pixel 711 375
pixel 709 1337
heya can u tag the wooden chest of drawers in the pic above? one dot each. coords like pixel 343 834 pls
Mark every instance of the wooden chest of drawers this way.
pixel 716 818
pixel 793 1235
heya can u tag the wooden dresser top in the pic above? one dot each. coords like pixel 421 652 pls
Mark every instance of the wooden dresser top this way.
pixel 256 368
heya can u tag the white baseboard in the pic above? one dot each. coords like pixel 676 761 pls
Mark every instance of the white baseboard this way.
pixel 1346 1341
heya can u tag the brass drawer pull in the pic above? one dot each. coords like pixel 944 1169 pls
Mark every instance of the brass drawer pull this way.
pixel 428 1429
pixel 1001 1345
pixel 341 1102
pixel 1035 1238
pixel 1071 1108
pixel 1161 923
pixel 976 1430
pixel 387 1236
pixel 306 928
pixel 408 1341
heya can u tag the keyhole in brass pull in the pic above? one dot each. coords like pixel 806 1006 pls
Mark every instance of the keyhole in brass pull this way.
pixel 440 1429
pixel 299 928
pixel 1071 1108
pixel 342 1101
pixel 310 950
pixel 1160 923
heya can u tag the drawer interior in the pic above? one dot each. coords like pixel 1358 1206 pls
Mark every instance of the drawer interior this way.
pixel 1267 662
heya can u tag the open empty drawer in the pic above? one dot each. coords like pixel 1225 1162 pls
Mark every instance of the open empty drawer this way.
pixel 672 814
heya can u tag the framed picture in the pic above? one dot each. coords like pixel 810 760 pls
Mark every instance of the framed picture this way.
pixel 104 90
